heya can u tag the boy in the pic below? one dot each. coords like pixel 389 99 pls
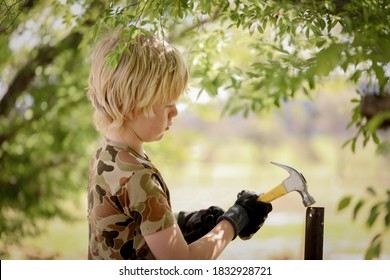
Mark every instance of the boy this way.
pixel 129 208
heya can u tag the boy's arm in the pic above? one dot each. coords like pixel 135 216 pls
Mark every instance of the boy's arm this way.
pixel 170 243
pixel 243 219
pixel 196 224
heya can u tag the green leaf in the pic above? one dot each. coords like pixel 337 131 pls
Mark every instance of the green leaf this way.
pixel 344 203
pixel 260 29
pixel 311 82
pixel 322 23
pixel 366 139
pixel 376 122
pixel 353 145
pixel 371 191
pixel 320 43
pixel 328 59
pixel 387 220
pixel 346 143
pixel 375 138
pixel 356 76
pixel 307 33
pixel 355 100
pixel 374 213
pixel 357 207
pixel 375 248
pixel 380 75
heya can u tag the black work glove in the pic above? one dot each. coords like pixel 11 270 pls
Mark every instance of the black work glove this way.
pixel 247 215
pixel 196 224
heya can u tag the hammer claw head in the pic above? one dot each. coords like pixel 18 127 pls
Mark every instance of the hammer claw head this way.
pixel 296 182
pixel 289 169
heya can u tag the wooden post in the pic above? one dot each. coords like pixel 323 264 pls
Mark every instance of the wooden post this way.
pixel 314 233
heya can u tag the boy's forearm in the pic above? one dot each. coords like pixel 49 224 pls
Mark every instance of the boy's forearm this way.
pixel 212 244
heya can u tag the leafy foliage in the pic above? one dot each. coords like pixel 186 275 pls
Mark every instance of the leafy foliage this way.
pixel 365 129
pixel 378 215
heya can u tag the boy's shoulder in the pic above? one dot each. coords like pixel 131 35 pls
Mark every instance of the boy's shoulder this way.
pixel 125 158
pixel 114 165
pixel 114 157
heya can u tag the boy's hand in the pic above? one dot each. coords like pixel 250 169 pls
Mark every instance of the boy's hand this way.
pixel 247 215
pixel 196 224
pixel 257 212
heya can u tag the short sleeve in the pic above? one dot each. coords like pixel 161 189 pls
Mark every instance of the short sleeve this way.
pixel 147 197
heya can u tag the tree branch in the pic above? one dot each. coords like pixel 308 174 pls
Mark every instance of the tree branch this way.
pixel 45 56
pixel 7 11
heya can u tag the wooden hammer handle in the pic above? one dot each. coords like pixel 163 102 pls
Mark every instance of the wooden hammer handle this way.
pixel 273 194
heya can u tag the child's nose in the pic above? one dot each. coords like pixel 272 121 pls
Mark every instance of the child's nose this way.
pixel 174 112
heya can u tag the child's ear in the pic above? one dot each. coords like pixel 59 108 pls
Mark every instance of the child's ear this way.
pixel 131 116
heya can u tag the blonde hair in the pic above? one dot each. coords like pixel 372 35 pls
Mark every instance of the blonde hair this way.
pixel 151 72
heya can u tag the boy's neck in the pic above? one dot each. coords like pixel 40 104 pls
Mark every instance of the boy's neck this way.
pixel 126 138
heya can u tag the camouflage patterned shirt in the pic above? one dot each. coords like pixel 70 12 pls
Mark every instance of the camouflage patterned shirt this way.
pixel 127 199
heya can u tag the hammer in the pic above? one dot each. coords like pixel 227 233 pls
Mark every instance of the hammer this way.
pixel 295 182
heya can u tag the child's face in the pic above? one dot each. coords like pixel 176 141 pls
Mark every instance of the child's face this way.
pixel 149 129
